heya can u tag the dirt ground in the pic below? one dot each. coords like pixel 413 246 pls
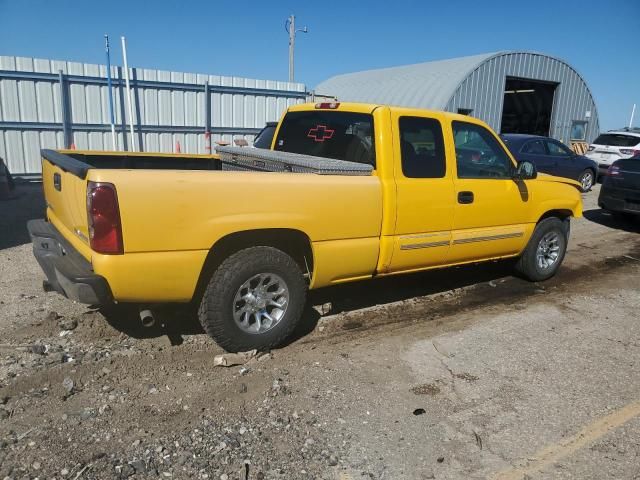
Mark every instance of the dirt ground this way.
pixel 467 373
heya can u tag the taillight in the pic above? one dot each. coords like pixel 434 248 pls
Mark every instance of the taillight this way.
pixel 329 105
pixel 629 151
pixel 591 148
pixel 614 171
pixel 105 228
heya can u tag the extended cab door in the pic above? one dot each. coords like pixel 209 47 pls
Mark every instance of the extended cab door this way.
pixel 491 208
pixel 424 192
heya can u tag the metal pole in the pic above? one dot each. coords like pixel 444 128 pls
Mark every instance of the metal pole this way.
pixel 207 118
pixel 126 79
pixel 292 41
pixel 64 105
pixel 109 87
pixel 633 112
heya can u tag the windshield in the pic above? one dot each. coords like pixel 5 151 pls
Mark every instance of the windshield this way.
pixel 264 138
pixel 617 140
pixel 329 134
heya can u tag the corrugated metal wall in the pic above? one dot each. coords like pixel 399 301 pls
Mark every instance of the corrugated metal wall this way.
pixel 483 92
pixel 169 108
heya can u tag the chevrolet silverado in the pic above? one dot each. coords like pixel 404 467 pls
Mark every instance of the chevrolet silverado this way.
pixel 245 241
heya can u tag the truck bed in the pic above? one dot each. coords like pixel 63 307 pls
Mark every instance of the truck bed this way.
pixel 79 163
pixel 230 158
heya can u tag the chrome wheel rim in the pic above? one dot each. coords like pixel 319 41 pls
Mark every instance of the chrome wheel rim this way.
pixel 548 251
pixel 260 303
pixel 587 181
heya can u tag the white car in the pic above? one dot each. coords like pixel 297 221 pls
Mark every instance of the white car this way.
pixel 614 145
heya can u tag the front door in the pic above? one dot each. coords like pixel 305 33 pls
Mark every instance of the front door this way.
pixel 424 193
pixel 491 208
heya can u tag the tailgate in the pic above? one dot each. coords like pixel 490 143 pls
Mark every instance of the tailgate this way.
pixel 65 191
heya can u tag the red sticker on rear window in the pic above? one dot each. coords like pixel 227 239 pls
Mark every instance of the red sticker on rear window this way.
pixel 320 133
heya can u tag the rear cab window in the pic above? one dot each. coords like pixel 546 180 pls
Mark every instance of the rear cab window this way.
pixel 617 140
pixel 328 134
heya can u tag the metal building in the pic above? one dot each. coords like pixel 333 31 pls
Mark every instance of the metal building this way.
pixel 58 104
pixel 514 92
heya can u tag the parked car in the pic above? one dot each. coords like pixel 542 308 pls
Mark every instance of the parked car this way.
pixel 388 197
pixel 614 145
pixel 552 157
pixel 265 136
pixel 620 192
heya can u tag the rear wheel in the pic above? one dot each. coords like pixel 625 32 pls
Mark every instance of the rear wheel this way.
pixel 254 300
pixel 587 180
pixel 545 252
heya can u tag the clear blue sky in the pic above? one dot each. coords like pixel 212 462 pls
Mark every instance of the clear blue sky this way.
pixel 241 38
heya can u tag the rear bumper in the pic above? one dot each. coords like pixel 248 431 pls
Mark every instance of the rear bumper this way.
pixel 619 200
pixel 68 272
pixel 602 171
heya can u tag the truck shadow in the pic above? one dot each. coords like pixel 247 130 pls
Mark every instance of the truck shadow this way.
pixel 606 219
pixel 26 203
pixel 178 321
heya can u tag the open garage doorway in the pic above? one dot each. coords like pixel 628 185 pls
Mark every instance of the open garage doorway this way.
pixel 527 106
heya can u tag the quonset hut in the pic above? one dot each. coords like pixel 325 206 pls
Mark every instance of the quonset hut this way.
pixel 514 92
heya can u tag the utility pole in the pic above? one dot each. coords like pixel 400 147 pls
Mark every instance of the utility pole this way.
pixel 290 27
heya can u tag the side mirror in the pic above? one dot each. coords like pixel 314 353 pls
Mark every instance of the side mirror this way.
pixel 525 171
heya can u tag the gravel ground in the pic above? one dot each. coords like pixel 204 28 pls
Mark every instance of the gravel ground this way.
pixel 465 373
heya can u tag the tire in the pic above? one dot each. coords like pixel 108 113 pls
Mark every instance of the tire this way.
pixel 528 265
pixel 241 291
pixel 587 180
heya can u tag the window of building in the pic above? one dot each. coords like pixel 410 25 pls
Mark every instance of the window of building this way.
pixel 578 130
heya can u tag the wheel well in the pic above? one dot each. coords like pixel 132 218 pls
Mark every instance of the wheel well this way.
pixel 562 214
pixel 293 242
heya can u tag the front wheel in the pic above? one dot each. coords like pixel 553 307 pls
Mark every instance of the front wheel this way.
pixel 545 251
pixel 254 300
pixel 587 180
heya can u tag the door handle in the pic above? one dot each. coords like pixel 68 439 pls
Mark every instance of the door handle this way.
pixel 57 182
pixel 465 197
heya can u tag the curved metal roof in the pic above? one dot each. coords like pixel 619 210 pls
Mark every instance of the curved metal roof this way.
pixel 475 84
pixel 421 85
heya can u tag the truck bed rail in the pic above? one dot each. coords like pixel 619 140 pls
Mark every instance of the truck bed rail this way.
pixel 243 158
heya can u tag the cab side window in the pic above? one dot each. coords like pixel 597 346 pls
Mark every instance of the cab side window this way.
pixel 558 150
pixel 535 147
pixel 422 148
pixel 478 153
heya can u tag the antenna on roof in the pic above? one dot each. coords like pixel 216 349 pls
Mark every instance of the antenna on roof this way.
pixel 633 111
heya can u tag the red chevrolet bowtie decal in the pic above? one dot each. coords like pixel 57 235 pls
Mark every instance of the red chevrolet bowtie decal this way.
pixel 320 133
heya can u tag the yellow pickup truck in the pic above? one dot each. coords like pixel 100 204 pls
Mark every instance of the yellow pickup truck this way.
pixel 404 190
